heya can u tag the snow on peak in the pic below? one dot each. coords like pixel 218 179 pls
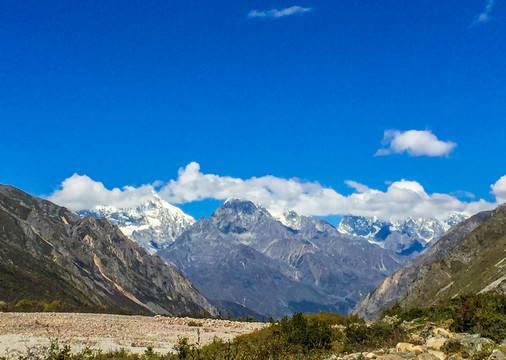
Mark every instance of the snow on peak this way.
pixel 289 218
pixel 153 225
pixel 399 234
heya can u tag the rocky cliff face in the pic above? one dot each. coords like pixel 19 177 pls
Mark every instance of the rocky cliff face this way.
pixel 47 252
pixel 469 258
pixel 243 255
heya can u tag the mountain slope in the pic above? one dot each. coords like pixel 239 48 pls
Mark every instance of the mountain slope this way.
pixel 243 255
pixel 153 225
pixel 467 259
pixel 47 252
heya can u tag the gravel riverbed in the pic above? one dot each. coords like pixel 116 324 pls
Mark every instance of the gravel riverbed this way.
pixel 23 332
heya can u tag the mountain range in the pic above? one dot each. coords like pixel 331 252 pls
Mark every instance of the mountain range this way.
pixel 243 255
pixel 470 258
pixel 244 260
pixel 218 249
pixel 156 224
pixel 407 237
pixel 49 253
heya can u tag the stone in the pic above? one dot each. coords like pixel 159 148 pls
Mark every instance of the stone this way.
pixel 390 357
pixel 416 338
pixel 497 355
pixel 428 356
pixel 391 319
pixel 409 347
pixel 443 332
pixel 332 357
pixel 439 355
pixel 436 342
pixel 474 343
pixel 354 356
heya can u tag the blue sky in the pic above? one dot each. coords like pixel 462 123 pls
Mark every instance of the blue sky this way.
pixel 127 93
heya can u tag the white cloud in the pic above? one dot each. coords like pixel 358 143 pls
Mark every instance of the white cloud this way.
pixel 79 192
pixel 485 15
pixel 361 188
pixel 415 143
pixel 499 190
pixel 275 13
pixel 402 198
pixel 463 194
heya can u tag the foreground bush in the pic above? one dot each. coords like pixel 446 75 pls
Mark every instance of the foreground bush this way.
pixel 483 314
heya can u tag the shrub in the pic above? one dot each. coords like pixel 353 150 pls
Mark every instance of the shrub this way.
pixel 335 318
pixel 297 331
pixel 54 306
pixel 484 314
pixel 184 349
pixel 194 323
pixel 359 336
pixel 28 305
pixel 452 347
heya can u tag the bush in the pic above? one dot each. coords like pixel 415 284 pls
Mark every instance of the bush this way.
pixel 54 306
pixel 335 318
pixel 184 349
pixel 360 337
pixel 452 347
pixel 194 323
pixel 484 314
pixel 28 305
pixel 316 335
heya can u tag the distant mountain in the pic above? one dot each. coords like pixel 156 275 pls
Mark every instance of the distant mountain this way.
pixel 243 255
pixel 153 225
pixel 48 253
pixel 469 258
pixel 156 224
pixel 407 237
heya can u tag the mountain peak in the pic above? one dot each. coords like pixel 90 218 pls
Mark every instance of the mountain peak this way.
pixel 153 225
pixel 242 206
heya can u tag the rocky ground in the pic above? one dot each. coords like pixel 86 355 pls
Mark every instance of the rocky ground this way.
pixel 431 341
pixel 21 333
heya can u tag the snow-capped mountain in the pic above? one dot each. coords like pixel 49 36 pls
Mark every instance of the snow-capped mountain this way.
pixel 153 225
pixel 243 255
pixel 406 236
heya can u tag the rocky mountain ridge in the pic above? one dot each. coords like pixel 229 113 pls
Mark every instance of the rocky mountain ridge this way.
pixel 83 261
